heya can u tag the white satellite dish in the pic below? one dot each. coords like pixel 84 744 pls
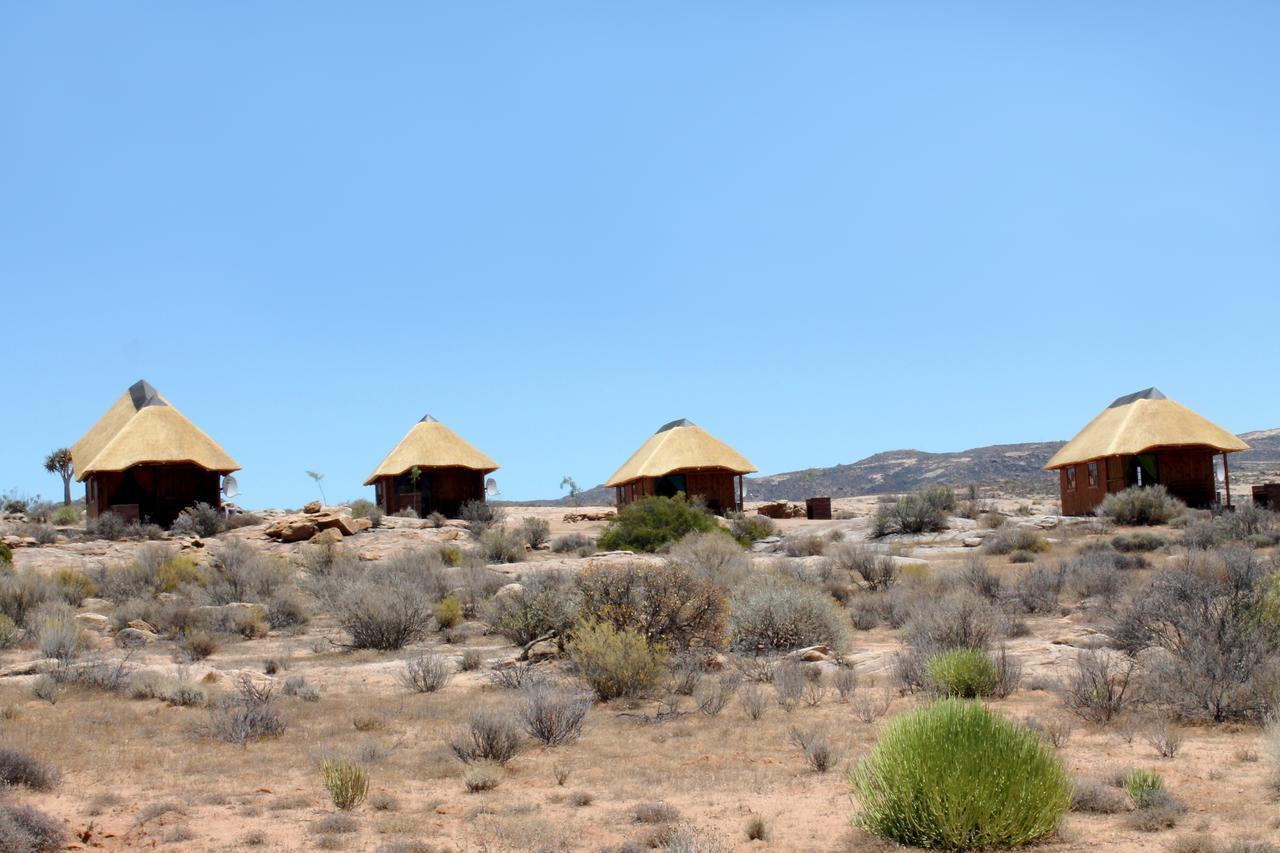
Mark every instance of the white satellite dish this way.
pixel 229 487
pixel 491 488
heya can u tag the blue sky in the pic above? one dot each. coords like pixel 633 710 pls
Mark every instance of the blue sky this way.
pixel 820 230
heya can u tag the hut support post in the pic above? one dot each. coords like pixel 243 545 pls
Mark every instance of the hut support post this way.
pixel 1226 479
pixel 741 495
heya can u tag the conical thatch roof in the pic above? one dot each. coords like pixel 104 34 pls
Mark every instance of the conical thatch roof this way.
pixel 679 445
pixel 141 427
pixel 431 444
pixel 1139 422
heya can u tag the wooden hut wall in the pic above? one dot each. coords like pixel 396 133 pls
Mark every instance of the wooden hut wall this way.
pixel 717 487
pixel 447 490
pixel 153 493
pixel 1187 473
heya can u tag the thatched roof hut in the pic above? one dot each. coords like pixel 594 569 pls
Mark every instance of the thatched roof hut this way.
pixel 683 457
pixel 1143 439
pixel 145 461
pixel 432 469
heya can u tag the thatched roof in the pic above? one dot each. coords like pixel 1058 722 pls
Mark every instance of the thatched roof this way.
pixel 678 446
pixel 1139 422
pixel 431 444
pixel 143 428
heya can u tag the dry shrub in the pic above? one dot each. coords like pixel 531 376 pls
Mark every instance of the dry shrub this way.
pixel 713 557
pixel 878 571
pixel 774 614
pixel 26 829
pixel 1098 689
pixel 380 612
pixel 713 696
pixel 1097 798
pixel 20 768
pixel 490 735
pixel 426 673
pixel 1142 505
pixel 544 605
pixel 651 523
pixel 616 662
pixel 481 778
pixel 754 700
pixel 552 715
pixel 481 516
pixel 1037 590
pixel 499 545
pixel 1011 538
pixel 249 715
pixel 922 512
pixel 815 747
pixel 666 604
pixel 534 532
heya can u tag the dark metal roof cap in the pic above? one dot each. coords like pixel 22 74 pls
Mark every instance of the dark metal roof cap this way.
pixel 1146 394
pixel 143 395
pixel 674 424
pixel 427 419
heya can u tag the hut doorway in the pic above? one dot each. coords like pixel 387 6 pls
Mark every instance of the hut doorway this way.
pixel 670 485
pixel 1143 470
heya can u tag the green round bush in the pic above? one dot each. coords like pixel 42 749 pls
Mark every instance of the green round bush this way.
pixel 6 556
pixel 650 523
pixel 967 673
pixel 955 775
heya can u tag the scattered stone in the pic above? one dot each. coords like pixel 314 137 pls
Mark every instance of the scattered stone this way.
pixel 291 530
pixel 545 650
pixel 133 638
pixel 93 621
pixel 101 605
pixel 973 542
pixel 328 536
pixel 313 507
pixel 34 667
pixel 141 625
pixel 813 654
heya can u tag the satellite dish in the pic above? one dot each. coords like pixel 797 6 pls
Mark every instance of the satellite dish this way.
pixel 491 487
pixel 229 487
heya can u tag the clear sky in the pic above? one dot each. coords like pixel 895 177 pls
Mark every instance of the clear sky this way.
pixel 818 229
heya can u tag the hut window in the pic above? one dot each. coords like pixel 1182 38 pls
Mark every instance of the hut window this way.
pixel 1093 475
pixel 1071 479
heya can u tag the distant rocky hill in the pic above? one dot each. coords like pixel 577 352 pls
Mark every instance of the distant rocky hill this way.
pixel 1014 468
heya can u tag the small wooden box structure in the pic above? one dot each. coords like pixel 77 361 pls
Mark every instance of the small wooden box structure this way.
pixel 818 509
pixel 1267 495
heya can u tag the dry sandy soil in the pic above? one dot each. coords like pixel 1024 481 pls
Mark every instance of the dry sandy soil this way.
pixel 142 774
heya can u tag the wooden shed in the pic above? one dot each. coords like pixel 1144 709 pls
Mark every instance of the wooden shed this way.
pixel 144 461
pixel 1144 439
pixel 682 457
pixel 432 469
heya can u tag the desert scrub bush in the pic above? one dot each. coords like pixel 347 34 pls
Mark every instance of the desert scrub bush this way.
pixel 346 782
pixel 1248 524
pixel 921 512
pixel 426 673
pixel 665 603
pixel 815 747
pixel 242 573
pixel 10 633
pixel 447 612
pixel 250 714
pixel 750 528
pixel 288 607
pixel 552 715
pixel 58 634
pixel 18 768
pixel 75 586
pixel 616 662
pixel 650 523
pixel 22 593
pixel 1209 615
pixel 534 532
pixel 1142 506
pixel 480 516
pixel 480 778
pixel 573 543
pixel 544 605
pixel 1094 797
pixel 965 673
pixel 199 520
pixel 1098 689
pixel 490 735
pixel 955 775
pixel 499 545
pixel 198 644
pixel 1011 538
pixel 713 557
pixel 26 829
pixel 1139 541
pixel 773 614
pixel 1145 787
pixel 6 556
pixel 107 525
pixel 46 688
pixel 978 578
pixel 380 612
pixel 1038 589
pixel 877 571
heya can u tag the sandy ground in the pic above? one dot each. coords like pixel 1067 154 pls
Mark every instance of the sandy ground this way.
pixel 141 774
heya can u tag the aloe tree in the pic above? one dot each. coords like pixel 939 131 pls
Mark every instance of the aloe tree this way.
pixel 59 462
pixel 317 476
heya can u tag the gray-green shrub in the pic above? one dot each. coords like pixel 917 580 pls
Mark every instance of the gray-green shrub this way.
pixel 1142 505
pixel 770 613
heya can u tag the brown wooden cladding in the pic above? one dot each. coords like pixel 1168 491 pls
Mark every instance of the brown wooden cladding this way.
pixel 151 493
pixel 716 486
pixel 442 490
pixel 1186 472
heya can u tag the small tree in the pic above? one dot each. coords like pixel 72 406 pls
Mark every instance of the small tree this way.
pixel 59 462
pixel 572 485
pixel 317 476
